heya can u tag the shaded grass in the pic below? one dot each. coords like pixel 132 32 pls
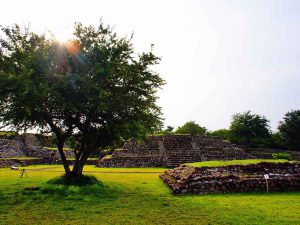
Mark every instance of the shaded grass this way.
pixel 76 181
pixel 132 198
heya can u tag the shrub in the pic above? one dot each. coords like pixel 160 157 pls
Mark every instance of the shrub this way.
pixel 282 155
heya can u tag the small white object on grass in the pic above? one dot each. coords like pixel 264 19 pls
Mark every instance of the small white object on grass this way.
pixel 14 167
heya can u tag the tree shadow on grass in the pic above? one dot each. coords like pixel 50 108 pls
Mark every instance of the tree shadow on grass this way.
pixel 3 203
pixel 84 188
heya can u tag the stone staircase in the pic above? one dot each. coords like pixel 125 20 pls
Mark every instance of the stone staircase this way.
pixel 182 149
pixel 178 149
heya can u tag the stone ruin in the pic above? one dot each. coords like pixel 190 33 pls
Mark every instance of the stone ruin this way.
pixel 173 150
pixel 27 145
pixel 237 178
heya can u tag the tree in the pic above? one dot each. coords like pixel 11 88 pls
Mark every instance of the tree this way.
pixel 277 141
pixel 250 129
pixel 191 128
pixel 168 130
pixel 289 129
pixel 93 89
pixel 222 133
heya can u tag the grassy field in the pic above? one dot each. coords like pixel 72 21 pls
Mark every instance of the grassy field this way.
pixel 132 196
pixel 233 162
pixel 19 158
pixel 56 149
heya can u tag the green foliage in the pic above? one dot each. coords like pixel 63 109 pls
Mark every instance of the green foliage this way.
pixel 168 130
pixel 277 141
pixel 77 181
pixel 250 129
pixel 282 155
pixel 94 90
pixel 222 133
pixel 289 129
pixel 191 128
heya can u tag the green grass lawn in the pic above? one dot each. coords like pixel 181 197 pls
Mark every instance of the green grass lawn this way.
pixel 56 149
pixel 132 196
pixel 92 158
pixel 19 158
pixel 233 162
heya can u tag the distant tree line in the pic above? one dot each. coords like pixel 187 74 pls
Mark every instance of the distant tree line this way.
pixel 251 129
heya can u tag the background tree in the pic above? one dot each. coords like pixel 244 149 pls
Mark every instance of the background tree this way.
pixel 168 130
pixel 277 141
pixel 93 89
pixel 289 129
pixel 191 128
pixel 250 129
pixel 222 133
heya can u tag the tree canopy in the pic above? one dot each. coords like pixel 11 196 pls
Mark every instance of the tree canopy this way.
pixel 222 133
pixel 168 130
pixel 191 128
pixel 250 129
pixel 94 88
pixel 289 129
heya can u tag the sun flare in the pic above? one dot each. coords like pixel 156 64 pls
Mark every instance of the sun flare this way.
pixel 62 36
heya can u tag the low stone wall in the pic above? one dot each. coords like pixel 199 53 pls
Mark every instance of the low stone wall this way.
pixel 266 153
pixel 239 178
pixel 71 162
pixel 16 162
pixel 128 162
pixel 46 153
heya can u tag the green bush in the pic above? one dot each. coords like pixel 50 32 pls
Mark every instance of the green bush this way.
pixel 191 128
pixel 282 155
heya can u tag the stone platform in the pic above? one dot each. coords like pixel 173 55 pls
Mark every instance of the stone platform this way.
pixel 173 150
pixel 237 178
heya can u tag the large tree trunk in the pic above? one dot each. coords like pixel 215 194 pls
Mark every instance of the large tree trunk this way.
pixel 79 164
pixel 60 146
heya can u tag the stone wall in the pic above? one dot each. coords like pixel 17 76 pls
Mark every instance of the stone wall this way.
pixel 27 145
pixel 19 162
pixel 265 153
pixel 154 161
pixel 238 178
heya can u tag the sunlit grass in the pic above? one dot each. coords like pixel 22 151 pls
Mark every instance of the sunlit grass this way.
pixel 234 162
pixel 92 158
pixel 19 158
pixel 131 196
pixel 56 149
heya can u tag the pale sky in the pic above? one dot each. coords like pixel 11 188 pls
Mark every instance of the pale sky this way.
pixel 218 57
